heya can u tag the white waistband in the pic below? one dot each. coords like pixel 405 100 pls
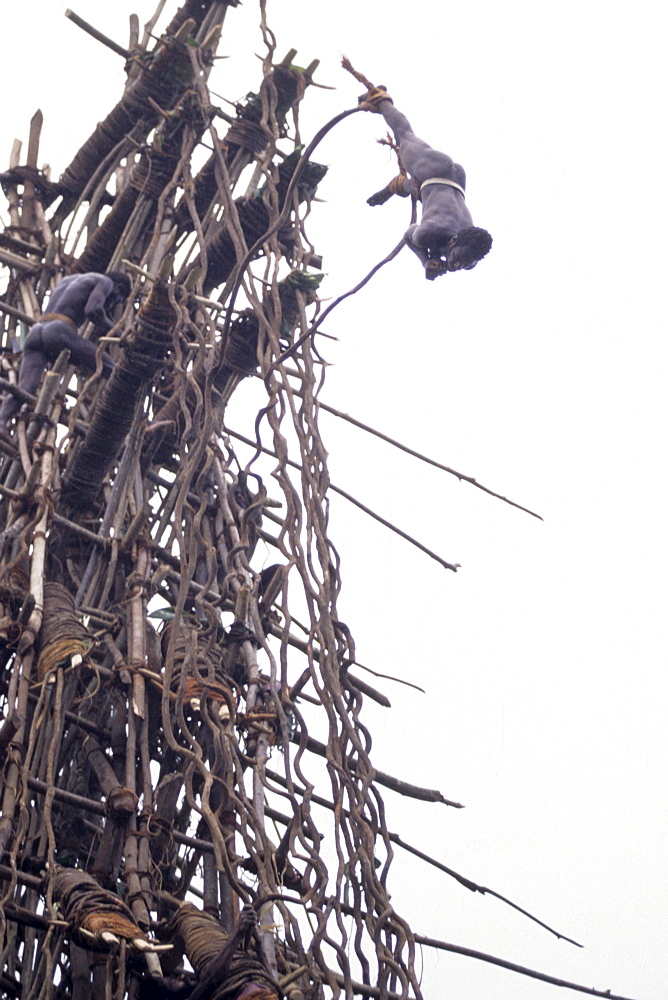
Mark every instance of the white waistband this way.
pixel 442 180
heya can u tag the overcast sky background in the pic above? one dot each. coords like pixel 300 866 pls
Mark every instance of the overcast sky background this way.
pixel 542 373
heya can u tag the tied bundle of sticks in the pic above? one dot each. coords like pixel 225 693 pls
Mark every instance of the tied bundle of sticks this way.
pixel 226 965
pixel 199 675
pixel 97 917
pixel 63 641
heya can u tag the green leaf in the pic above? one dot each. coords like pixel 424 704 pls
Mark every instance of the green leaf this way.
pixel 163 614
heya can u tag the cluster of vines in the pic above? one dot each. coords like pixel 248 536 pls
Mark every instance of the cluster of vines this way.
pixel 158 778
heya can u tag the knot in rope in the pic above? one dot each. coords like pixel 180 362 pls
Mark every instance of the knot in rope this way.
pixel 157 826
pixel 259 722
pixel 396 185
pixel 131 665
pixel 374 94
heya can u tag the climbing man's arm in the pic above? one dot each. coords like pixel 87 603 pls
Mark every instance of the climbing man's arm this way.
pixel 94 309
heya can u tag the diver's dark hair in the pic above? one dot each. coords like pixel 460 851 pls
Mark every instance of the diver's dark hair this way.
pixel 122 281
pixel 472 245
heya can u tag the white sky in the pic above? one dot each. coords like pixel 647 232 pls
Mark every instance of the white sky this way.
pixel 542 374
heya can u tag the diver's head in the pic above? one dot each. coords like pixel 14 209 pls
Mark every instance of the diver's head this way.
pixel 468 247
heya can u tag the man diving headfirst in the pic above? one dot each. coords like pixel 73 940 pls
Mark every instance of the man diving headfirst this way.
pixel 445 239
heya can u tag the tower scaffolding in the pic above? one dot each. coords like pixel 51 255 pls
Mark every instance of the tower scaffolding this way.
pixel 188 805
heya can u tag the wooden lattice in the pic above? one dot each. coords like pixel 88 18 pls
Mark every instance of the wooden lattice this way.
pixel 171 704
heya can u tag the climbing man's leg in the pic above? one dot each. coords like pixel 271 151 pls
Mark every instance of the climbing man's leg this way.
pixel 33 363
pixel 59 336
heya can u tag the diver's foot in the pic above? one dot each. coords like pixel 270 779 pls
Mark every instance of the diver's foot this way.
pixel 380 197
